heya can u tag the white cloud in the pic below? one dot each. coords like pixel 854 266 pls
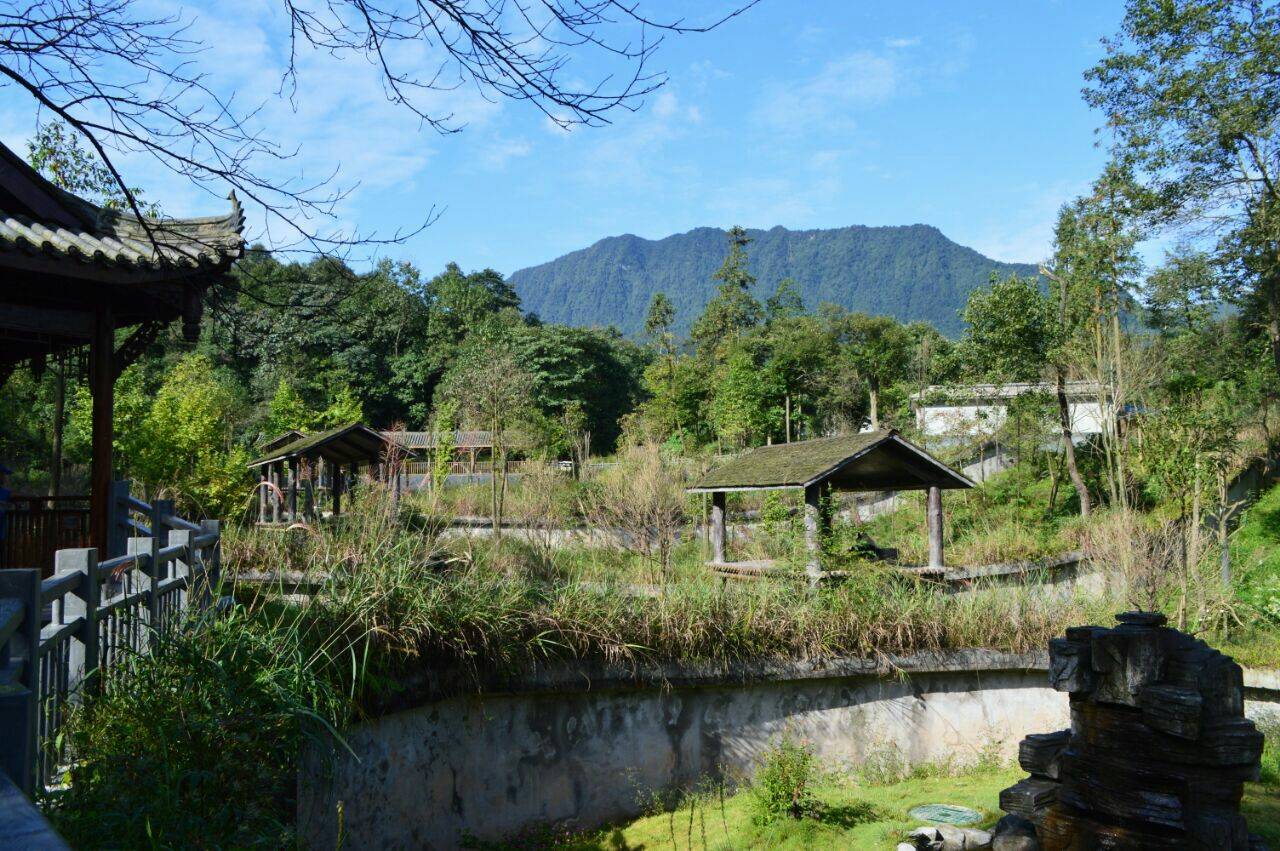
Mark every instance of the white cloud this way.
pixel 503 151
pixel 901 43
pixel 843 86
pixel 1024 232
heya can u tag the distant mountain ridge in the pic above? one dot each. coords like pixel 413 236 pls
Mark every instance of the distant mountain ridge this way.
pixel 910 272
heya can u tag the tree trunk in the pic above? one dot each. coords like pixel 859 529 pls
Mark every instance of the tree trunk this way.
pixel 1224 540
pixel 59 408
pixel 1069 447
pixel 787 409
pixel 873 391
pixel 1273 321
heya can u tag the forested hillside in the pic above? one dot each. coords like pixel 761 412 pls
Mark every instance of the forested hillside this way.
pixel 910 272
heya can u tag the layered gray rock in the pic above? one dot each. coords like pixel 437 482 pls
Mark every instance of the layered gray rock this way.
pixel 1157 754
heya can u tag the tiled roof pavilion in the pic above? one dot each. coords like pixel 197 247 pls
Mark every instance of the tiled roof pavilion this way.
pixel 73 273
pixel 65 260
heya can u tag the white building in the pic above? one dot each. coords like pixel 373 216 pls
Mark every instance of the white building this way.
pixel 979 410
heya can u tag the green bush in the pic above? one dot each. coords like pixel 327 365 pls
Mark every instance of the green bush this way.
pixel 196 746
pixel 782 785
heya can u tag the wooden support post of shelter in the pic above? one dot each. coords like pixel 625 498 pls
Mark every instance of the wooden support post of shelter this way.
pixel 870 461
pixel 76 273
pixel 335 476
pixel 814 531
pixel 293 490
pixel 934 519
pixel 717 526
pixel 102 381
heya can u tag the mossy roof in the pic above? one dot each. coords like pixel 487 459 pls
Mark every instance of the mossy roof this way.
pixel 875 460
pixel 351 442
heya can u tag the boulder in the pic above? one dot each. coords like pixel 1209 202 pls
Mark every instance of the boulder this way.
pixel 1157 754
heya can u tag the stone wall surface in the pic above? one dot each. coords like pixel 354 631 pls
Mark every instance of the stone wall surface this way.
pixel 585 749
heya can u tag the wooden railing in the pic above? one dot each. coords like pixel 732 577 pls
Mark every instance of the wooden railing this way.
pixel 482 466
pixel 33 528
pixel 62 636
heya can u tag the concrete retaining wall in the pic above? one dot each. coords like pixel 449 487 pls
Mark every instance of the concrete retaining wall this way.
pixel 587 749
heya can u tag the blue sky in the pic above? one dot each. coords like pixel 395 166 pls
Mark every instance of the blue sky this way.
pixel 809 114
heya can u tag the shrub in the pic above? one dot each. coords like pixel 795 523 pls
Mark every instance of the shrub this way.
pixel 782 783
pixel 196 745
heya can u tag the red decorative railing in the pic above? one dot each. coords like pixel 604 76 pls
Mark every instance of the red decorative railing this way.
pixel 33 528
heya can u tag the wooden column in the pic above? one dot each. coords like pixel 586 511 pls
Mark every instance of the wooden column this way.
pixel 335 487
pixel 934 514
pixel 309 509
pixel 273 473
pixel 102 386
pixel 717 526
pixel 262 495
pixel 813 533
pixel 293 490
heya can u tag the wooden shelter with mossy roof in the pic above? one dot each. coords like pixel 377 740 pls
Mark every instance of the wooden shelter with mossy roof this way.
pixel 869 461
pixel 328 460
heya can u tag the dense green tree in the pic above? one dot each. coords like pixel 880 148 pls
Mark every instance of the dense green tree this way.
pixel 786 301
pixel 178 435
pixel 1190 93
pixel 596 371
pixel 733 310
pixel 876 348
pixel 744 405
pixel 493 389
pixel 1181 295
pixel 1010 331
pixel 801 351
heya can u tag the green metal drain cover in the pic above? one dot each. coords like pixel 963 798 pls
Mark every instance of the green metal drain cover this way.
pixel 946 814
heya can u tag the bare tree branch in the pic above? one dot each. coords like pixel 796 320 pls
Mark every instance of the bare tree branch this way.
pixel 130 83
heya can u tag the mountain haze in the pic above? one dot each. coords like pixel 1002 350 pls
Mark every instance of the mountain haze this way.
pixel 909 272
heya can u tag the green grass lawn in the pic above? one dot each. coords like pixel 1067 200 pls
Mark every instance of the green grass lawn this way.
pixel 855 815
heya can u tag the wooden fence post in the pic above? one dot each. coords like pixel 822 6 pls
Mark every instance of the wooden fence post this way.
pixel 18 702
pixel 82 603
pixel 130 616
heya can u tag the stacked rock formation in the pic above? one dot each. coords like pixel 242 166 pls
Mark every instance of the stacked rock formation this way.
pixel 1158 751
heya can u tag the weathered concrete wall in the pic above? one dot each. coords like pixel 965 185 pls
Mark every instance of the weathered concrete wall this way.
pixel 586 749
pixel 492 765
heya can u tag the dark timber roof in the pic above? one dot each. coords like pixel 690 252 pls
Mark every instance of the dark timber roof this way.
pixel 461 439
pixel 63 258
pixel 871 461
pixel 282 440
pixel 341 445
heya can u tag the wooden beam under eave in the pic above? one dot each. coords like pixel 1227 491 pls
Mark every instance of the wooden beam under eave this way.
pixel 41 320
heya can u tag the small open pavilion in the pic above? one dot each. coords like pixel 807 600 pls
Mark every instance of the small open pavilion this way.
pixel 332 460
pixel 870 461
pixel 75 274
